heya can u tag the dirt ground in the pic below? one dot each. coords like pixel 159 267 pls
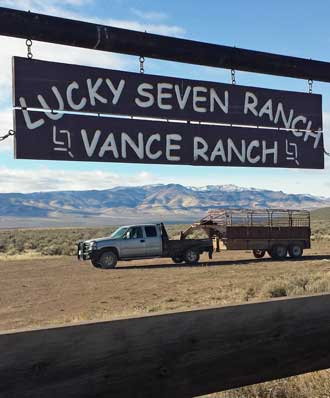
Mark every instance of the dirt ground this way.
pixel 38 292
pixel 50 291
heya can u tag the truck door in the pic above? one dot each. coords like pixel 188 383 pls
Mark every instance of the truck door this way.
pixel 135 243
pixel 153 241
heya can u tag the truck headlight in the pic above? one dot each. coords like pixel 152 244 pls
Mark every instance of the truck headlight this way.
pixel 93 245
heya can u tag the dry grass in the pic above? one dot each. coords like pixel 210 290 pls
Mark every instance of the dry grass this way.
pixel 30 255
pixel 310 385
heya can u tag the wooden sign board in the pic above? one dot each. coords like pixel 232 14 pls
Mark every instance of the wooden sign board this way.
pixel 73 88
pixel 108 139
pixel 58 106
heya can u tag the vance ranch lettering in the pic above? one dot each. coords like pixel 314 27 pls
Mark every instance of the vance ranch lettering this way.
pixel 107 139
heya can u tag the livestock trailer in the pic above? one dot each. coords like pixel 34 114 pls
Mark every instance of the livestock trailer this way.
pixel 275 231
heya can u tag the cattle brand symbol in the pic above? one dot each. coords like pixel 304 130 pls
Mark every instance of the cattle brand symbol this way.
pixel 62 139
pixel 291 151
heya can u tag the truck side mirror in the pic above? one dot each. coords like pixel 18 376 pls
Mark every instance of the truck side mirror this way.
pixel 128 235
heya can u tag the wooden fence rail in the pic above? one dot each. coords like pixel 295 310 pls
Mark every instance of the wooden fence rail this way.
pixel 172 355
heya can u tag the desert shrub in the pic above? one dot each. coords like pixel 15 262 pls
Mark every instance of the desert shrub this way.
pixel 250 293
pixel 320 283
pixel 12 251
pixel 274 289
pixel 298 285
pixel 19 244
pixel 52 251
pixel 30 245
pixel 2 246
pixel 68 250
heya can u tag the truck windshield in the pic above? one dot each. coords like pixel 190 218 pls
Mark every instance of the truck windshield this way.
pixel 119 233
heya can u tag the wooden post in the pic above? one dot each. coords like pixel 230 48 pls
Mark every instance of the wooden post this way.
pixel 172 355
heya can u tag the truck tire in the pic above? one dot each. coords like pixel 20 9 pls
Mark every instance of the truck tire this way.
pixel 259 253
pixel 108 260
pixel 191 256
pixel 95 263
pixel 177 259
pixel 295 250
pixel 278 252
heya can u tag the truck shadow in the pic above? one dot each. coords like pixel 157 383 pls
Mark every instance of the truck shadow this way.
pixel 212 263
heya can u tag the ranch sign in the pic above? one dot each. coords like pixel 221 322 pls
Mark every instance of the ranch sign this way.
pixel 71 112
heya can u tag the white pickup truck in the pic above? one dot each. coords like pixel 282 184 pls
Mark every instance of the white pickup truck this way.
pixel 134 242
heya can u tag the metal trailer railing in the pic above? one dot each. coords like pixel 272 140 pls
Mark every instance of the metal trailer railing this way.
pixel 216 221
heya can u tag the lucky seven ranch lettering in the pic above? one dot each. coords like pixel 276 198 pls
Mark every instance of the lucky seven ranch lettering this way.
pixel 163 96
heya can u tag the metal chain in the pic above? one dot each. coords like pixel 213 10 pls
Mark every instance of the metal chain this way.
pixel 28 43
pixel 141 59
pixel 310 86
pixel 233 76
pixel 9 134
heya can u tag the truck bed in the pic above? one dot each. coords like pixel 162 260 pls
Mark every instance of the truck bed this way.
pixel 173 248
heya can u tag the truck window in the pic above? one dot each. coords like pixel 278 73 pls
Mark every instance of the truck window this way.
pixel 119 233
pixel 136 233
pixel 151 231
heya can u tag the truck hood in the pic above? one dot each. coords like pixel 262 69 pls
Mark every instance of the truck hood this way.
pixel 100 240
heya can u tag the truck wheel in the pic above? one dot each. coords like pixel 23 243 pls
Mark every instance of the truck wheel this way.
pixel 108 260
pixel 259 253
pixel 177 260
pixel 191 256
pixel 295 250
pixel 279 252
pixel 95 263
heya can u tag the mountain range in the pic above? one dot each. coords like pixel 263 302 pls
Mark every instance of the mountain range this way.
pixel 123 205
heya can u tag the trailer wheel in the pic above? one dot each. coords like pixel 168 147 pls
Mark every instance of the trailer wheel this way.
pixel 279 252
pixel 177 259
pixel 295 250
pixel 191 256
pixel 259 253
pixel 108 260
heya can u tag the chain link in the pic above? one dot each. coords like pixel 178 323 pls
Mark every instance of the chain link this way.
pixel 29 43
pixel 233 76
pixel 141 59
pixel 9 134
pixel 310 86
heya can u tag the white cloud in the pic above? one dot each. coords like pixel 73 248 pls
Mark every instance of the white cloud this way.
pixel 41 5
pixel 161 29
pixel 51 7
pixel 149 15
pixel 35 180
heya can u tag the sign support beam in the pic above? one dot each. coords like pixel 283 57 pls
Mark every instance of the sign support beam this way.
pixel 28 25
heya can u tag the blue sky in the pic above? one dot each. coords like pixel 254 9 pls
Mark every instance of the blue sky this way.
pixel 280 27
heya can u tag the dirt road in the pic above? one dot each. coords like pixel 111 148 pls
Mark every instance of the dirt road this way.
pixel 52 291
